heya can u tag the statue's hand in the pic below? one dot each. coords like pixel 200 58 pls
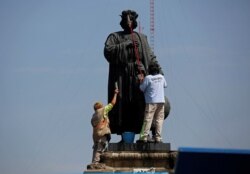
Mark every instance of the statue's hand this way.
pixel 128 43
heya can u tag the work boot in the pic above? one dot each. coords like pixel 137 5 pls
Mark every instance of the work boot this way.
pixel 151 139
pixel 158 140
pixel 142 140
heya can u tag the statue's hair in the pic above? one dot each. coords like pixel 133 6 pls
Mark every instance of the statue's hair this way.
pixel 133 17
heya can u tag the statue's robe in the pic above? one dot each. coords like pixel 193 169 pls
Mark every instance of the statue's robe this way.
pixel 128 113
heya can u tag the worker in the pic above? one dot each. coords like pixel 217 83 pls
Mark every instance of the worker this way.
pixel 153 88
pixel 101 130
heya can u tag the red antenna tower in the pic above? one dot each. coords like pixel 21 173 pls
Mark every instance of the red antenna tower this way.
pixel 152 24
pixel 140 29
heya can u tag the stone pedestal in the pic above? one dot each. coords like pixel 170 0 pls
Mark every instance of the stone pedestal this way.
pixel 131 157
pixel 139 147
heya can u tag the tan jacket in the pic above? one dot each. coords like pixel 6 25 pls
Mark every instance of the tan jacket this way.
pixel 100 124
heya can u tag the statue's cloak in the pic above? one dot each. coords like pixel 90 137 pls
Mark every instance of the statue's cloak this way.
pixel 128 113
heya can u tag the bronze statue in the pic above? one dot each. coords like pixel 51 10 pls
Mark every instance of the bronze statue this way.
pixel 129 55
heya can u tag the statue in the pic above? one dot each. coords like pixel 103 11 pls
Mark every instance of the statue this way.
pixel 128 54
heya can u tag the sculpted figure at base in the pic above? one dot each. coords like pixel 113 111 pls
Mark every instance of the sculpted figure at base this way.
pixel 128 54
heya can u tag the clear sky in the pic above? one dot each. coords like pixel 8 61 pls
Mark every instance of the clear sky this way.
pixel 52 70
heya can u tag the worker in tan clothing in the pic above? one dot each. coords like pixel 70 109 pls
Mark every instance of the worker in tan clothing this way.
pixel 101 130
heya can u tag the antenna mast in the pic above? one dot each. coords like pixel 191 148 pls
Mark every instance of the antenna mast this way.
pixel 152 24
pixel 140 29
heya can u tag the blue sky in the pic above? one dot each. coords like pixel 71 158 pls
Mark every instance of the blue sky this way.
pixel 52 70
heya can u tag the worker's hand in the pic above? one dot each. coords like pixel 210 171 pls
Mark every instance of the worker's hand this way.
pixel 116 91
pixel 141 77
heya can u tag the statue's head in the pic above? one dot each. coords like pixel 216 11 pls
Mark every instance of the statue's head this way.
pixel 128 15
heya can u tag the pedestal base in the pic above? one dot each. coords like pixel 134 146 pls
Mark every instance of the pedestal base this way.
pixel 131 157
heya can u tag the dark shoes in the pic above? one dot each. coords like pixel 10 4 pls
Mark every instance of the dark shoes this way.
pixel 158 141
pixel 150 140
pixel 154 140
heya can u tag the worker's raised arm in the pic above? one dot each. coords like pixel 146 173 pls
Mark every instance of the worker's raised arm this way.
pixel 113 101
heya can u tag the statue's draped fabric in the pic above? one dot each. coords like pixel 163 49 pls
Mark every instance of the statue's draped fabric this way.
pixel 128 113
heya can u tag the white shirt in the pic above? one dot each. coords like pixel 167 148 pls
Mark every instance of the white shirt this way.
pixel 153 88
